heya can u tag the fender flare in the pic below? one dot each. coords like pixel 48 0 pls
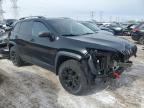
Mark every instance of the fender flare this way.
pixel 67 54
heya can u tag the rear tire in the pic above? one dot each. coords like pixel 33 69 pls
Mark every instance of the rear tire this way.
pixel 73 78
pixel 14 57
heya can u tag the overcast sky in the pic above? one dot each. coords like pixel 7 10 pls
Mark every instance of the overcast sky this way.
pixel 79 9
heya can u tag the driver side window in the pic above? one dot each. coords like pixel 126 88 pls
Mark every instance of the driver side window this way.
pixel 38 28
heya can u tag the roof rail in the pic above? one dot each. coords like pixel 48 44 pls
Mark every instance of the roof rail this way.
pixel 31 17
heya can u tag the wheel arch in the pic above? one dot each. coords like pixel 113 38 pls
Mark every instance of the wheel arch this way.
pixel 63 56
pixel 11 44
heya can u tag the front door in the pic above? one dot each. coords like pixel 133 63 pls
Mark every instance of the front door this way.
pixel 41 48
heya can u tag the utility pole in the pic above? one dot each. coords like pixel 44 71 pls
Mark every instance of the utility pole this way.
pixel 15 8
pixel 101 16
pixel 1 11
pixel 110 19
pixel 116 20
pixel 92 15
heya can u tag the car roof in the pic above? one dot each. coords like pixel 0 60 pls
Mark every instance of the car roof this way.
pixel 43 18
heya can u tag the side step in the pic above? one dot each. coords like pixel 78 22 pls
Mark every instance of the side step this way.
pixel 4 53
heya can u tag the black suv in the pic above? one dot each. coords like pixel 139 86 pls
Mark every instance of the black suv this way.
pixel 71 50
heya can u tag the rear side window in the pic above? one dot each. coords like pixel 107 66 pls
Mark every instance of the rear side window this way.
pixel 26 28
pixel 38 28
pixel 17 27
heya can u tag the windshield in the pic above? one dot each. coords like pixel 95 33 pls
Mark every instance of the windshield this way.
pixel 91 26
pixel 67 27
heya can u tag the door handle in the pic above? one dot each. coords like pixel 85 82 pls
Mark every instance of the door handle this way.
pixel 32 40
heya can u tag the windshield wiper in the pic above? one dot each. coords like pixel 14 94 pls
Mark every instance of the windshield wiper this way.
pixel 87 33
pixel 69 35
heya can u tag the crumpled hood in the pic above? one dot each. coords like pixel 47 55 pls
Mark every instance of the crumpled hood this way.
pixel 104 42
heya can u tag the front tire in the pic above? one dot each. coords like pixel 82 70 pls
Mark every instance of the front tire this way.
pixel 14 57
pixel 73 78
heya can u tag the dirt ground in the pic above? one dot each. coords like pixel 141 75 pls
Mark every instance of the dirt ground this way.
pixel 34 87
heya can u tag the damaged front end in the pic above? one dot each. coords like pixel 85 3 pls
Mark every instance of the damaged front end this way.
pixel 109 64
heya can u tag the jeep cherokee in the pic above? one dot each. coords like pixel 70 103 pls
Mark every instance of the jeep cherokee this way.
pixel 74 52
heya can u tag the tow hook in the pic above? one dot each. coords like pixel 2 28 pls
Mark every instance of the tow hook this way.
pixel 115 75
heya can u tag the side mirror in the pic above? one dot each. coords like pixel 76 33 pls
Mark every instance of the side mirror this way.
pixel 48 35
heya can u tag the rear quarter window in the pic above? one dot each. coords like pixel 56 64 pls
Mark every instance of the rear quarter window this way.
pixel 16 28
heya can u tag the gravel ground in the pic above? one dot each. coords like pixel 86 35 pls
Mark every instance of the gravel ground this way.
pixel 34 87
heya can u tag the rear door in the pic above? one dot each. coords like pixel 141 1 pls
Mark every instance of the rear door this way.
pixel 24 39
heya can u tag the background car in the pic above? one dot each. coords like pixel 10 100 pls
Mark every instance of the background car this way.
pixel 138 33
pixel 106 29
pixel 95 28
pixel 128 29
pixel 116 28
pixel 5 28
pixel 3 41
pixel 7 23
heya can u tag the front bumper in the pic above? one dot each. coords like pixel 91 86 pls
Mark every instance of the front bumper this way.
pixel 104 65
pixel 119 67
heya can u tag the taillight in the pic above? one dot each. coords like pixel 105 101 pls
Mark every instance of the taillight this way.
pixel 135 30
